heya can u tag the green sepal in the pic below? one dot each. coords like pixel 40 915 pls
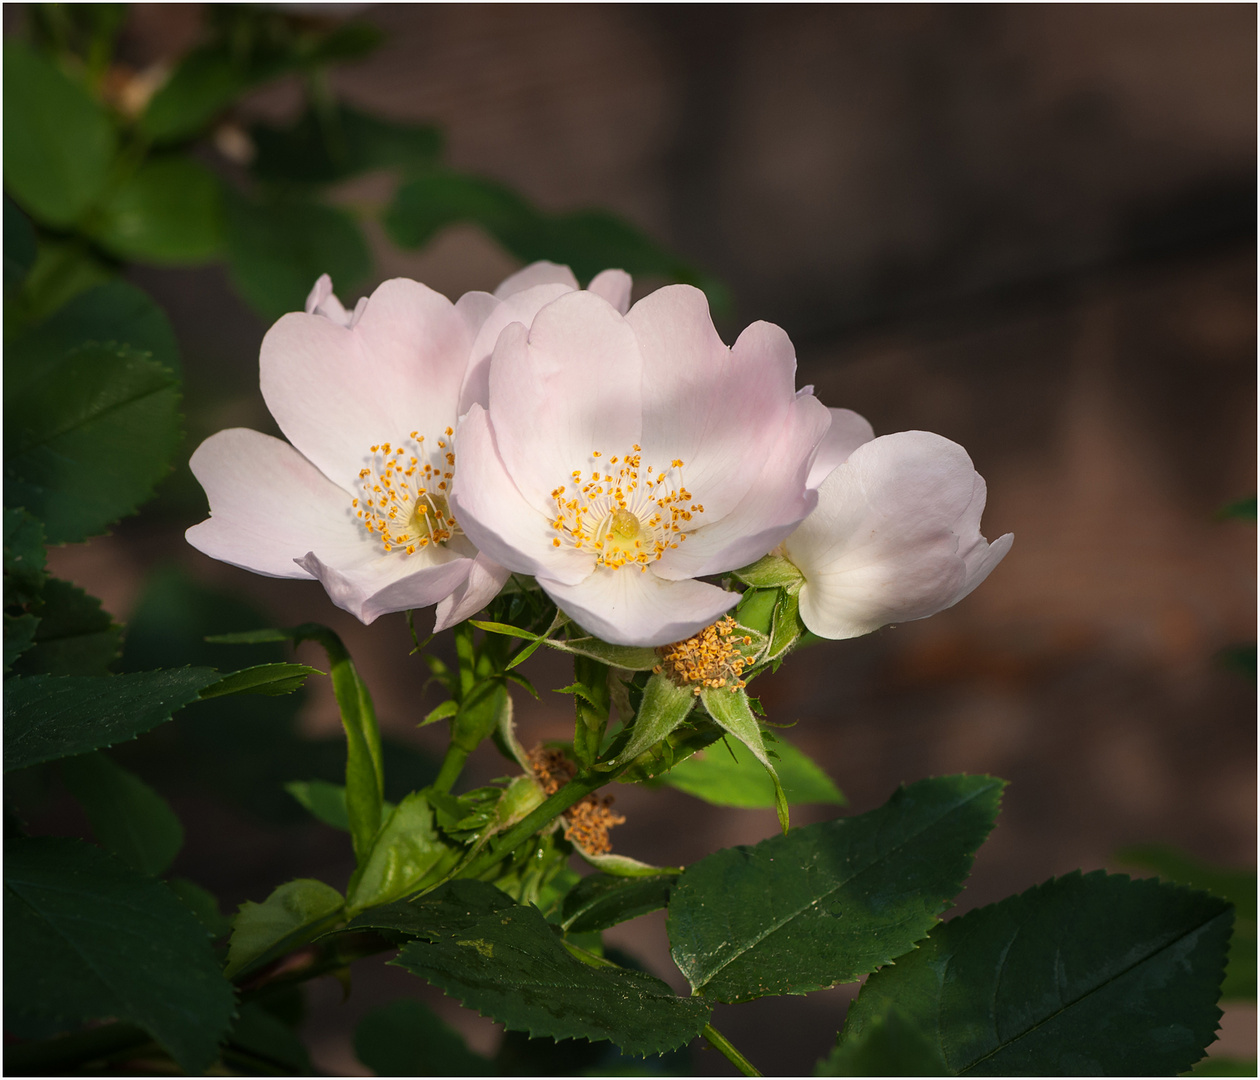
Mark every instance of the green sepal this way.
pixel 756 609
pixel 730 710
pixel 770 572
pixel 663 708
pixel 295 913
pixel 729 775
pixel 626 657
pixel 592 704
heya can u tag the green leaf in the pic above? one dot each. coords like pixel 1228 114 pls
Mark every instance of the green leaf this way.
pixel 405 1038
pixel 1236 886
pixel 505 629
pixel 24 557
pixel 272 680
pixel 63 269
pixel 168 212
pixel 365 767
pixel 205 83
pixel 261 1044
pixel 85 937
pixel 889 1045
pixel 276 251
pixel 202 903
pixel 86 438
pixel 47 717
pixel 729 775
pixel 626 657
pixel 730 710
pixel 19 247
pixel 504 960
pixel 1084 975
pixel 115 312
pixel 326 146
pixel 829 902
pixel 128 817
pixel 664 707
pixel 603 900
pixel 19 636
pixel 292 915
pixel 58 143
pixel 325 801
pixel 407 850
pixel 75 636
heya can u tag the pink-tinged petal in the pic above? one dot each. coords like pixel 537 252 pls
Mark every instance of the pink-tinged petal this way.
pixel 496 518
pixel 895 536
pixel 632 607
pixel 520 307
pixel 614 286
pixel 848 431
pixel 719 410
pixel 565 388
pixel 482 585
pixel 771 507
pixel 321 300
pixel 268 505
pixel 539 273
pixel 391 583
pixel 336 391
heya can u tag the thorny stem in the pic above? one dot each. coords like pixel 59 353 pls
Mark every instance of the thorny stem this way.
pixel 720 1043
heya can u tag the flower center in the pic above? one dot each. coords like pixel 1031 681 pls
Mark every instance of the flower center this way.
pixel 406 491
pixel 710 658
pixel 623 512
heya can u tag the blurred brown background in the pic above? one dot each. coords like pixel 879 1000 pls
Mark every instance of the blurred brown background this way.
pixel 1030 229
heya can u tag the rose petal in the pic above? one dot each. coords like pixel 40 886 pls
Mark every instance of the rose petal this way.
pixel 495 516
pixel 268 504
pixel 336 391
pixel 631 607
pixel 614 286
pixel 392 583
pixel 568 386
pixel 848 431
pixel 482 585
pixel 537 273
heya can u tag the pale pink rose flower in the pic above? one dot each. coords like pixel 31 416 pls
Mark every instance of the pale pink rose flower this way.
pixel 623 457
pixel 369 399
pixel 896 534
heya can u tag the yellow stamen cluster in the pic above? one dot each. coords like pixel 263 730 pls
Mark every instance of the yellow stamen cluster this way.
pixel 406 492
pixel 586 822
pixel 710 658
pixel 623 512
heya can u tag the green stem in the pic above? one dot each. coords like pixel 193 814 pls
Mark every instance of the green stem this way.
pixel 722 1044
pixel 452 766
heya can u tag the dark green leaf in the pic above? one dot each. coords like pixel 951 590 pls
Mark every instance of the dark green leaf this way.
pixel 86 937
pixel 1236 886
pixel 115 312
pixel 728 774
pixel 276 252
pixel 24 557
pixel 1091 975
pixel 829 902
pixel 292 915
pixel 261 1044
pixel 426 205
pixel 87 437
pixel 205 83
pixel 504 960
pixel 19 636
pixel 1240 510
pixel 407 850
pixel 405 1038
pixel 168 211
pixel 128 817
pixel 326 146
pixel 62 270
pixel 272 680
pixel 75 636
pixel 47 717
pixel 202 903
pixel 889 1045
pixel 603 900
pixel 58 142
pixel 19 247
